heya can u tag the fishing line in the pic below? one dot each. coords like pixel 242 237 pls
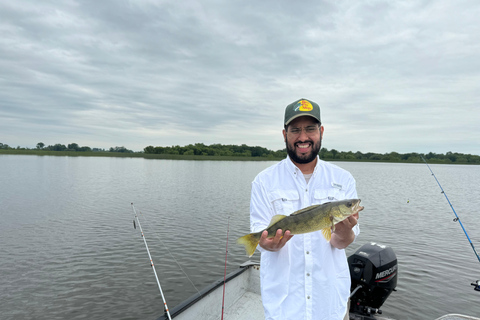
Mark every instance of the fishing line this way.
pixel 151 262
pixel 170 253
pixel 457 219
pixel 225 272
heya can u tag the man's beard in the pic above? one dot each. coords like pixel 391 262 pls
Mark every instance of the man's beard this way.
pixel 307 158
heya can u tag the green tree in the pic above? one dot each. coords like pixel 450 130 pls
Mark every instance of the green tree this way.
pixel 358 155
pixel 149 149
pixel 57 147
pixel 334 153
pixel 120 149
pixel 40 145
pixel 73 147
pixel 84 149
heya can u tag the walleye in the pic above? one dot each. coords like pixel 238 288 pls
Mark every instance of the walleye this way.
pixel 317 217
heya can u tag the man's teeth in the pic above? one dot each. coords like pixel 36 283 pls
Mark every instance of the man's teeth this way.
pixel 302 146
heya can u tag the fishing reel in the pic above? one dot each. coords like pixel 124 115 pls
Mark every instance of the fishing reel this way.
pixel 476 284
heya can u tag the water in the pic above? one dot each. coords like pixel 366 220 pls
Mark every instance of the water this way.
pixel 69 249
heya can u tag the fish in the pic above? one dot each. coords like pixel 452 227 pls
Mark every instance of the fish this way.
pixel 313 218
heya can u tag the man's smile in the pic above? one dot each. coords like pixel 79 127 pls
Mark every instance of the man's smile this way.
pixel 303 146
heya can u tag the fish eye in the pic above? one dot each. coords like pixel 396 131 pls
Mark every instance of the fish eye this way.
pixel 349 204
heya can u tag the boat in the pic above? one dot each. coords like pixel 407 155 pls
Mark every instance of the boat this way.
pixel 373 271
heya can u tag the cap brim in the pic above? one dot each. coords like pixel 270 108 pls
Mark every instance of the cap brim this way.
pixel 301 115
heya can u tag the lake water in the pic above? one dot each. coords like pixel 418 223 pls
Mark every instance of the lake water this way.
pixel 69 249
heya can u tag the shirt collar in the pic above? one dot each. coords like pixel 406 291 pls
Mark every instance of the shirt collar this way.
pixel 295 170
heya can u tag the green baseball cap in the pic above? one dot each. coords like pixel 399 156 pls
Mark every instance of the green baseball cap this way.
pixel 300 108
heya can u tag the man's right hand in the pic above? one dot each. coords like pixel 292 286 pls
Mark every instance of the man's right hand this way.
pixel 276 243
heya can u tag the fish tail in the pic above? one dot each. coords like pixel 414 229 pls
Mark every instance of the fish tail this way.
pixel 250 241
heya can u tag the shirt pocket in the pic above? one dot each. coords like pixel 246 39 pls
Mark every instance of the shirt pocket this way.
pixel 284 201
pixel 328 195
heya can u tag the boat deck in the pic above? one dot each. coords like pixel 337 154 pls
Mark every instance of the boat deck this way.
pixel 248 307
pixel 243 300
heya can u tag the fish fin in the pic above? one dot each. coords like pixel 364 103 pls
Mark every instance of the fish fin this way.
pixel 304 209
pixel 275 219
pixel 327 233
pixel 250 241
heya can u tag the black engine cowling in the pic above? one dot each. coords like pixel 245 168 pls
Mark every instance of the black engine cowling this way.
pixel 374 273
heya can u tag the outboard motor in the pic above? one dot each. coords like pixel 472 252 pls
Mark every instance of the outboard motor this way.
pixel 373 271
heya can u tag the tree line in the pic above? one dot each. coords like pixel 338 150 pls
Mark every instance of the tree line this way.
pixel 200 149
pixel 243 150
pixel 69 147
pixel 219 150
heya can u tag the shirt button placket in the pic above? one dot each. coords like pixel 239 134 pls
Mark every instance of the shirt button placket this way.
pixel 308 264
pixel 308 276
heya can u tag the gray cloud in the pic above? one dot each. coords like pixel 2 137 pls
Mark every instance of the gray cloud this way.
pixel 389 76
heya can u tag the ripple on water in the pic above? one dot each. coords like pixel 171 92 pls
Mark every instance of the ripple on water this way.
pixel 69 249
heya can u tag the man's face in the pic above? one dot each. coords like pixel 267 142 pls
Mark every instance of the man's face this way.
pixel 303 139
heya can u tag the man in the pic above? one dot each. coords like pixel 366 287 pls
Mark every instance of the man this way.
pixel 303 276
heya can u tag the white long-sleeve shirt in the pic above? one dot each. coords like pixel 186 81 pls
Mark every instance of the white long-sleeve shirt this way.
pixel 308 278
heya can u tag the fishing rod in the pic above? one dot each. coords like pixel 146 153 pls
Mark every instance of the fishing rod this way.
pixel 457 219
pixel 151 261
pixel 225 272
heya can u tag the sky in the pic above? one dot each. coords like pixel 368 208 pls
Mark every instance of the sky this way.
pixel 399 76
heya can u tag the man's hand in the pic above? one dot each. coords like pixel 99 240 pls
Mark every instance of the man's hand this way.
pixel 344 234
pixel 276 243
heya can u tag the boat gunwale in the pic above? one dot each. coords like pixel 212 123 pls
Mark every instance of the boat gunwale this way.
pixel 185 304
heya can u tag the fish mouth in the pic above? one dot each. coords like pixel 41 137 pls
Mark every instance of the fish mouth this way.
pixel 357 207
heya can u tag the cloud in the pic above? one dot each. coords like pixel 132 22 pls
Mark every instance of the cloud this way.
pixel 389 76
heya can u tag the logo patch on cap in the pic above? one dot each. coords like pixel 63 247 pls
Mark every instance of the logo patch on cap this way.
pixel 303 105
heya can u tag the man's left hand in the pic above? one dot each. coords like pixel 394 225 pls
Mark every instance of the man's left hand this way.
pixel 344 234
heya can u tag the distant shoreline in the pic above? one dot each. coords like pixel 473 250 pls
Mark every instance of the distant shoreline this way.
pixel 184 157
pixel 132 155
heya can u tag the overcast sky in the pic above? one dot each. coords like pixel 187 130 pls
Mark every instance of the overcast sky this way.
pixel 398 76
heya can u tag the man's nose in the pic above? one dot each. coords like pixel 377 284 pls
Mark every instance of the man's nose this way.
pixel 303 134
